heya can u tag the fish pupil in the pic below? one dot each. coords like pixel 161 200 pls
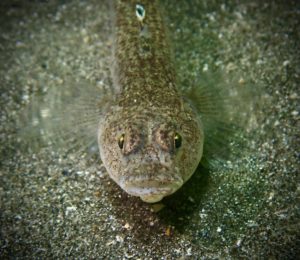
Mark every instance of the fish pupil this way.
pixel 177 140
pixel 121 141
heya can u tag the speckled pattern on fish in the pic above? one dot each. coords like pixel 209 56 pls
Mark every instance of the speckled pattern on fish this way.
pixel 150 139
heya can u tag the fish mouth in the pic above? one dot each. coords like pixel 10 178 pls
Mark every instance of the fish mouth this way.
pixel 152 190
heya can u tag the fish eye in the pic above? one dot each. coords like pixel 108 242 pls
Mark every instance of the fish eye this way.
pixel 177 140
pixel 121 141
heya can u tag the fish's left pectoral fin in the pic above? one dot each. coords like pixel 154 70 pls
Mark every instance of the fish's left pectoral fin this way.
pixel 224 106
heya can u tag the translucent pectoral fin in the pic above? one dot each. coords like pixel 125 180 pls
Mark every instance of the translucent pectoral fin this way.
pixel 65 117
pixel 225 107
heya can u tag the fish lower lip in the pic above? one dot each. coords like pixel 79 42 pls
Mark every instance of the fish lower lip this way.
pixel 151 191
pixel 139 191
pixel 149 185
pixel 150 194
pixel 147 180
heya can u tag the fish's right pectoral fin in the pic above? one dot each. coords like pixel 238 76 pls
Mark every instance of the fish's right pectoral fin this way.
pixel 65 118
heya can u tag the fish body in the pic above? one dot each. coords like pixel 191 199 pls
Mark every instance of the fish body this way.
pixel 150 138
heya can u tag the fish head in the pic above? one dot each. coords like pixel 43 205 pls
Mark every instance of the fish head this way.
pixel 151 154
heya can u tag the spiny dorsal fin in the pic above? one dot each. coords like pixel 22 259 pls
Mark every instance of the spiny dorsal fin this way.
pixel 140 12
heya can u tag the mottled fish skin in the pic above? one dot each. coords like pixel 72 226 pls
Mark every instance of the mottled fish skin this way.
pixel 150 139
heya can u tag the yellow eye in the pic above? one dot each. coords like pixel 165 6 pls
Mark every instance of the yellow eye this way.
pixel 177 140
pixel 121 141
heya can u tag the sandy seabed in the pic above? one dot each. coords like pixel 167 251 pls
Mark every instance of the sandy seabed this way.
pixel 63 205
